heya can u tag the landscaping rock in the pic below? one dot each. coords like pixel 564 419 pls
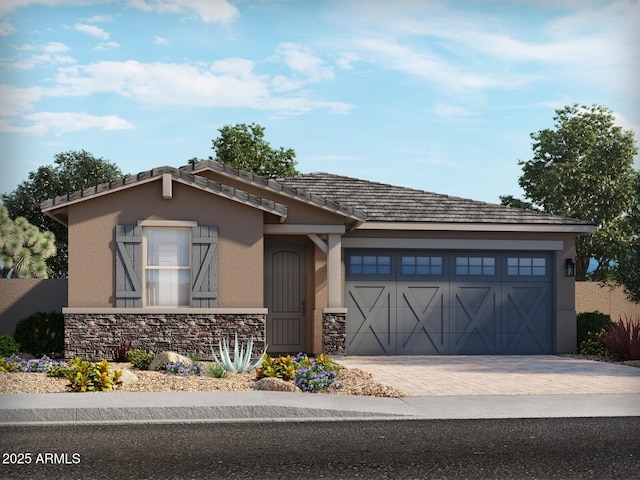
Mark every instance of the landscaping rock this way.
pixel 273 384
pixel 167 357
pixel 128 378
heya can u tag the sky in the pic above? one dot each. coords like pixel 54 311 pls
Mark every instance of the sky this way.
pixel 440 96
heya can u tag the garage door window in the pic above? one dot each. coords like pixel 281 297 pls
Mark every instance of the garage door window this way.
pixel 418 265
pixel 526 266
pixel 370 265
pixel 484 266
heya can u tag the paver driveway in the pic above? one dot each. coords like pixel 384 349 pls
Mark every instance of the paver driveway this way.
pixel 497 375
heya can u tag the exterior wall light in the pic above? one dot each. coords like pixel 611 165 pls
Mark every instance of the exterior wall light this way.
pixel 570 267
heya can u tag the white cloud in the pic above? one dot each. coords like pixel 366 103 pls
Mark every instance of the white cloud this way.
pixel 160 41
pixel 99 19
pixel 209 11
pixel 106 46
pixel 55 47
pixel 424 64
pixel 92 30
pixel 56 123
pixel 16 101
pixel 301 60
pixel 345 60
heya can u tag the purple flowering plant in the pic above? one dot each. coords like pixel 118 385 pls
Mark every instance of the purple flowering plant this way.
pixel 43 364
pixel 182 369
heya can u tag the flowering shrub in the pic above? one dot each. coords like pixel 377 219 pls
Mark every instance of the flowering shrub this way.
pixel 41 334
pixel 181 368
pixel 316 378
pixel 44 364
pixel 319 374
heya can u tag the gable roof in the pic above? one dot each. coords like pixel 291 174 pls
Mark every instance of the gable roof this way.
pixel 56 207
pixel 390 204
pixel 334 205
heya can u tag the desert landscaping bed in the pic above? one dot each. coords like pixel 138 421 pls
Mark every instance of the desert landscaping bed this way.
pixel 354 381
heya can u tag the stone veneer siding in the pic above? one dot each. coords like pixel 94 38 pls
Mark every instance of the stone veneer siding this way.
pixel 334 327
pixel 94 336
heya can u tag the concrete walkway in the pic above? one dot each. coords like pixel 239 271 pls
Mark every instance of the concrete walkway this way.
pixel 437 388
pixel 498 375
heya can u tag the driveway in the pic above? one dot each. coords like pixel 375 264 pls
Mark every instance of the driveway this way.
pixel 497 375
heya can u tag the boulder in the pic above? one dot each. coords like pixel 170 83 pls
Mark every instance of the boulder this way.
pixel 128 378
pixel 273 384
pixel 167 357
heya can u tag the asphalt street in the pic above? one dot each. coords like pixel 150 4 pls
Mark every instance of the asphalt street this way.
pixel 540 448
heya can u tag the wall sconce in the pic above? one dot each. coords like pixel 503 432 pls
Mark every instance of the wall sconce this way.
pixel 570 267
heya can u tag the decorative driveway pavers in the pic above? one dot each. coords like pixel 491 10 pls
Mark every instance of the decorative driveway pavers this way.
pixel 497 375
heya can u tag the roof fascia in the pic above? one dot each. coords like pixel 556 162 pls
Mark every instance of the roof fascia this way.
pixel 479 227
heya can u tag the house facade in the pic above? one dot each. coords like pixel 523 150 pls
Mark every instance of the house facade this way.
pixel 180 258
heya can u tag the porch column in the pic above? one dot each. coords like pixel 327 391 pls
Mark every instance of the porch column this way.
pixel 334 270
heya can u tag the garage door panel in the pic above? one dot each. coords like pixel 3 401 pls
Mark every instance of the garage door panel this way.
pixel 422 319
pixel 371 324
pixel 527 321
pixel 475 319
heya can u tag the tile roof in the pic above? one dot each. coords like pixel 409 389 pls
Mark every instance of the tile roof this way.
pixel 389 203
pixel 335 205
pixel 59 203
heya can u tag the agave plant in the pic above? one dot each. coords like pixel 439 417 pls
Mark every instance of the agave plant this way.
pixel 241 361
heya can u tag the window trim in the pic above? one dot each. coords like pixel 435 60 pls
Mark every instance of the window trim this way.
pixel 172 226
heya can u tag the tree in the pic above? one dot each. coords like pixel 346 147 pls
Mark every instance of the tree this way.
pixel 584 169
pixel 72 171
pixel 23 248
pixel 243 146
pixel 627 269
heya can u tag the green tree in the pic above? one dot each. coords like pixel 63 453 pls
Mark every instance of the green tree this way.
pixel 583 168
pixel 243 146
pixel 72 171
pixel 627 268
pixel 23 248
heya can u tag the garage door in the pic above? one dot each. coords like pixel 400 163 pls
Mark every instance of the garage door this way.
pixel 433 302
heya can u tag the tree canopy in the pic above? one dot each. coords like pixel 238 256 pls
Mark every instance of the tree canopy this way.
pixel 243 146
pixel 23 248
pixel 72 171
pixel 583 168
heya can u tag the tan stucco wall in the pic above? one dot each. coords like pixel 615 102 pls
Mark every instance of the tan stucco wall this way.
pixel 593 296
pixel 92 241
pixel 21 297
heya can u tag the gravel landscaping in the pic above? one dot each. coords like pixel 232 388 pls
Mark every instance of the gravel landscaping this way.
pixel 355 381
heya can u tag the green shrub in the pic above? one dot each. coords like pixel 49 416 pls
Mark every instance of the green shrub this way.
pixel 8 346
pixel 92 377
pixel 281 367
pixel 623 339
pixel 215 370
pixel 41 334
pixel 594 346
pixel 139 359
pixel 590 326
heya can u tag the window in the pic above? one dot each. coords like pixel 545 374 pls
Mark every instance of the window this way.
pixel 166 263
pixel 526 266
pixel 370 264
pixel 417 265
pixel 167 267
pixel 476 266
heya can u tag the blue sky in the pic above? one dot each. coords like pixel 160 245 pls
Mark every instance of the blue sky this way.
pixel 435 95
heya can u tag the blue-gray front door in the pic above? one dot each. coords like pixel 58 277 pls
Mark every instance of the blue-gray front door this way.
pixel 285 296
pixel 403 302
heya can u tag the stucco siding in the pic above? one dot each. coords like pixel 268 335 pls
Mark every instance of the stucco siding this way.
pixel 92 242
pixel 591 297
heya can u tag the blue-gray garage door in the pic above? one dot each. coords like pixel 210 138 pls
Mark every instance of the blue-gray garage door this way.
pixel 406 302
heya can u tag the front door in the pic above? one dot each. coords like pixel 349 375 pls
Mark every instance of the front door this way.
pixel 285 296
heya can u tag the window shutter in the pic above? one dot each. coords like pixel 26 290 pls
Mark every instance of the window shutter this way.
pixel 204 256
pixel 129 266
